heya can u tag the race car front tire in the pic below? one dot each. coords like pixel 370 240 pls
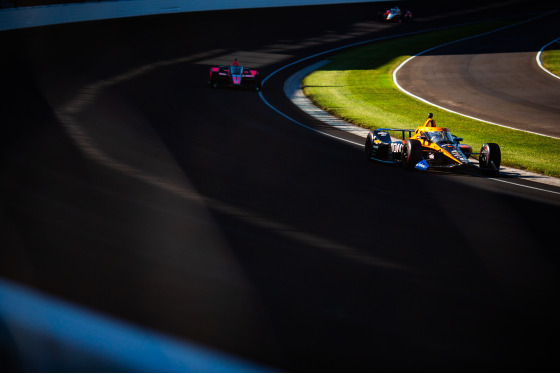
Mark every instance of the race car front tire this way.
pixel 490 157
pixel 412 153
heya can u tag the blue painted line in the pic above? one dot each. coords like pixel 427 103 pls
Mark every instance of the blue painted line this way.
pixel 49 334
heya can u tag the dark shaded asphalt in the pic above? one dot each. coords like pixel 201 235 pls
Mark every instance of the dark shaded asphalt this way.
pixel 132 188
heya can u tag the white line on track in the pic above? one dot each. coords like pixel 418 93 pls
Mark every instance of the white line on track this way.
pixel 394 78
pixel 539 58
pixel 530 187
pixel 302 124
pixel 335 50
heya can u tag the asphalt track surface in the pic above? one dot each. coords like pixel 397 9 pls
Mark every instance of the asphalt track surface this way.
pixel 132 188
pixel 494 77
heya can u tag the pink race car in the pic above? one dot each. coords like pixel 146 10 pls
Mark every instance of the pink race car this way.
pixel 234 75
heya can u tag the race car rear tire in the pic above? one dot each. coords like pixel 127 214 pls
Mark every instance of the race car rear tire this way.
pixel 369 147
pixel 412 153
pixel 490 158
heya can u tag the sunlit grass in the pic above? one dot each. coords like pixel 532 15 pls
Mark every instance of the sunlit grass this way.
pixel 551 58
pixel 358 87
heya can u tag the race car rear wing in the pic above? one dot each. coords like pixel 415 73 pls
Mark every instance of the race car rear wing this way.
pixel 403 131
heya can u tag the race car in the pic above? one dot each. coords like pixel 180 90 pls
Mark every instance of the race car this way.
pixel 395 15
pixel 429 147
pixel 234 75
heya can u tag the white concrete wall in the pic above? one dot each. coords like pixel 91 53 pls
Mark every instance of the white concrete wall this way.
pixel 16 18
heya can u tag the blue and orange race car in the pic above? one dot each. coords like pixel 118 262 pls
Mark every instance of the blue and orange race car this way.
pixel 234 75
pixel 429 147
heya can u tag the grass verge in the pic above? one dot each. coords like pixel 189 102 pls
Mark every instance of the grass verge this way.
pixel 551 58
pixel 357 86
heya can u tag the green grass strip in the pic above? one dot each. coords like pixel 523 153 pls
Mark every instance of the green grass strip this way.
pixel 551 58
pixel 357 86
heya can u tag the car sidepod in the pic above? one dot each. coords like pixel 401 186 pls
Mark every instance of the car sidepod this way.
pixel 379 147
pixel 445 156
